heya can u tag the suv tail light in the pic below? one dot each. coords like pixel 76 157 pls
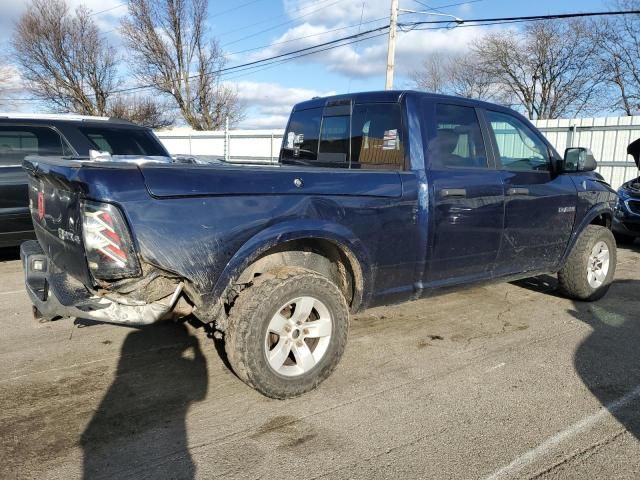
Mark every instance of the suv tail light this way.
pixel 108 245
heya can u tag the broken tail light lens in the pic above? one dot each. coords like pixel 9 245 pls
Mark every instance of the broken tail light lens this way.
pixel 108 245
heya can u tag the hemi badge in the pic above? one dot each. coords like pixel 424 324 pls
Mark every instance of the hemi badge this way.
pixel 566 209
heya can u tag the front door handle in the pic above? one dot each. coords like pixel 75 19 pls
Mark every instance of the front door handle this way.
pixel 517 191
pixel 453 192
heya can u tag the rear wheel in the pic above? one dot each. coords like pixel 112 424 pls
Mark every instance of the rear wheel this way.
pixel 591 265
pixel 287 332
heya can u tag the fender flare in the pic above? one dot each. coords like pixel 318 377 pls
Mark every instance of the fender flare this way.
pixel 287 231
pixel 594 212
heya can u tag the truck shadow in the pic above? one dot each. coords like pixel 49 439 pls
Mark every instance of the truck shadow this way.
pixel 8 254
pixel 608 360
pixel 140 424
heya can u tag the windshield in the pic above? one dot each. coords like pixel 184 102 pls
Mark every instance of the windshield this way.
pixel 123 141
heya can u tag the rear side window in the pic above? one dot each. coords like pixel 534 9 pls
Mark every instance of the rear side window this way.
pixel 123 141
pixel 16 142
pixel 458 138
pixel 300 144
pixel 369 138
pixel 376 142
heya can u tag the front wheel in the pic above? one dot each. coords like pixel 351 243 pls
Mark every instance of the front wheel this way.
pixel 287 332
pixel 591 265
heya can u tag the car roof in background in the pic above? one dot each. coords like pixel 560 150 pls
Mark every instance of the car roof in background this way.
pixel 52 118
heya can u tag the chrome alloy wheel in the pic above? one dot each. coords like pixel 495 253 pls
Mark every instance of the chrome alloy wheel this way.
pixel 298 336
pixel 598 265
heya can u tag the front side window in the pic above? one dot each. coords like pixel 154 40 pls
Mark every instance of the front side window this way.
pixel 519 147
pixel 458 138
pixel 17 142
pixel 369 138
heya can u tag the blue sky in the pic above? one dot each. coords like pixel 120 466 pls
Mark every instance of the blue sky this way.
pixel 248 29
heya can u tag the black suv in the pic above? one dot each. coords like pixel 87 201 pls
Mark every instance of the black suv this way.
pixel 71 136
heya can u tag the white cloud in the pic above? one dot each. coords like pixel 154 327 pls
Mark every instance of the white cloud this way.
pixel 108 19
pixel 366 58
pixel 269 104
pixel 333 13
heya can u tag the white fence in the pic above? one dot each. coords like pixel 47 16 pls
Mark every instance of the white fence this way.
pixel 256 145
pixel 606 137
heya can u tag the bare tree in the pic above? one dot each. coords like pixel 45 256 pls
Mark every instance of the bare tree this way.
pixel 174 52
pixel 63 58
pixel 618 41
pixel 71 67
pixel 142 111
pixel 550 68
pixel 456 74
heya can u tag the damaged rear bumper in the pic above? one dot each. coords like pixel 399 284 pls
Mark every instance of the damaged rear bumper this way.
pixel 56 294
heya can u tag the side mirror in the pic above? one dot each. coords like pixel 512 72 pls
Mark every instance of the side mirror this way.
pixel 578 159
pixel 634 150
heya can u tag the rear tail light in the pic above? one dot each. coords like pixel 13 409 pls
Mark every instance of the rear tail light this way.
pixel 107 242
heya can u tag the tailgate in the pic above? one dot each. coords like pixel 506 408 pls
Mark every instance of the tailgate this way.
pixel 54 203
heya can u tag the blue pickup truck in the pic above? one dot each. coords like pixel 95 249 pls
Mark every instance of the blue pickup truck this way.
pixel 378 198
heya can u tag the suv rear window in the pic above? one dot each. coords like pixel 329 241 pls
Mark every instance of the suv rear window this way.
pixel 369 138
pixel 123 141
pixel 16 142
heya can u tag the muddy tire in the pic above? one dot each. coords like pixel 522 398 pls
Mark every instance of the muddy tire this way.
pixel 287 332
pixel 591 265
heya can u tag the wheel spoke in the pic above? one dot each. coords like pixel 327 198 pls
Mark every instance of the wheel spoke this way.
pixel 304 357
pixel 277 324
pixel 603 256
pixel 318 328
pixel 590 277
pixel 279 354
pixel 304 305
pixel 600 275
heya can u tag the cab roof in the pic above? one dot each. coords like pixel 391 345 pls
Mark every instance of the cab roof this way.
pixel 385 96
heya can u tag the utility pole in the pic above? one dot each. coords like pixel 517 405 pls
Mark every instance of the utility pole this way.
pixel 391 54
pixel 393 27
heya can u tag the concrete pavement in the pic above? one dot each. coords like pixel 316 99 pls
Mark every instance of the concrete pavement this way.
pixel 497 382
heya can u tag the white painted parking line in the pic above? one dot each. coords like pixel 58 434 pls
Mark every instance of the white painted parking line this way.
pixel 12 292
pixel 585 424
pixel 495 367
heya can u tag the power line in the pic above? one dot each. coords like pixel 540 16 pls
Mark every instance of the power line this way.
pixel 531 18
pixel 439 7
pixel 108 9
pixel 238 7
pixel 385 27
pixel 279 62
pixel 277 25
pixel 307 36
pixel 256 62
pixel 292 55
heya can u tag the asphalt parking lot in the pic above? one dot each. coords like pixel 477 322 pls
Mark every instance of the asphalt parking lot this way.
pixel 501 381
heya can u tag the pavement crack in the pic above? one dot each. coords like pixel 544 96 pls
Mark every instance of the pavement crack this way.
pixel 591 449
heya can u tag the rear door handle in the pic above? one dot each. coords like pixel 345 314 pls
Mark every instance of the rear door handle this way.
pixel 453 192
pixel 517 191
